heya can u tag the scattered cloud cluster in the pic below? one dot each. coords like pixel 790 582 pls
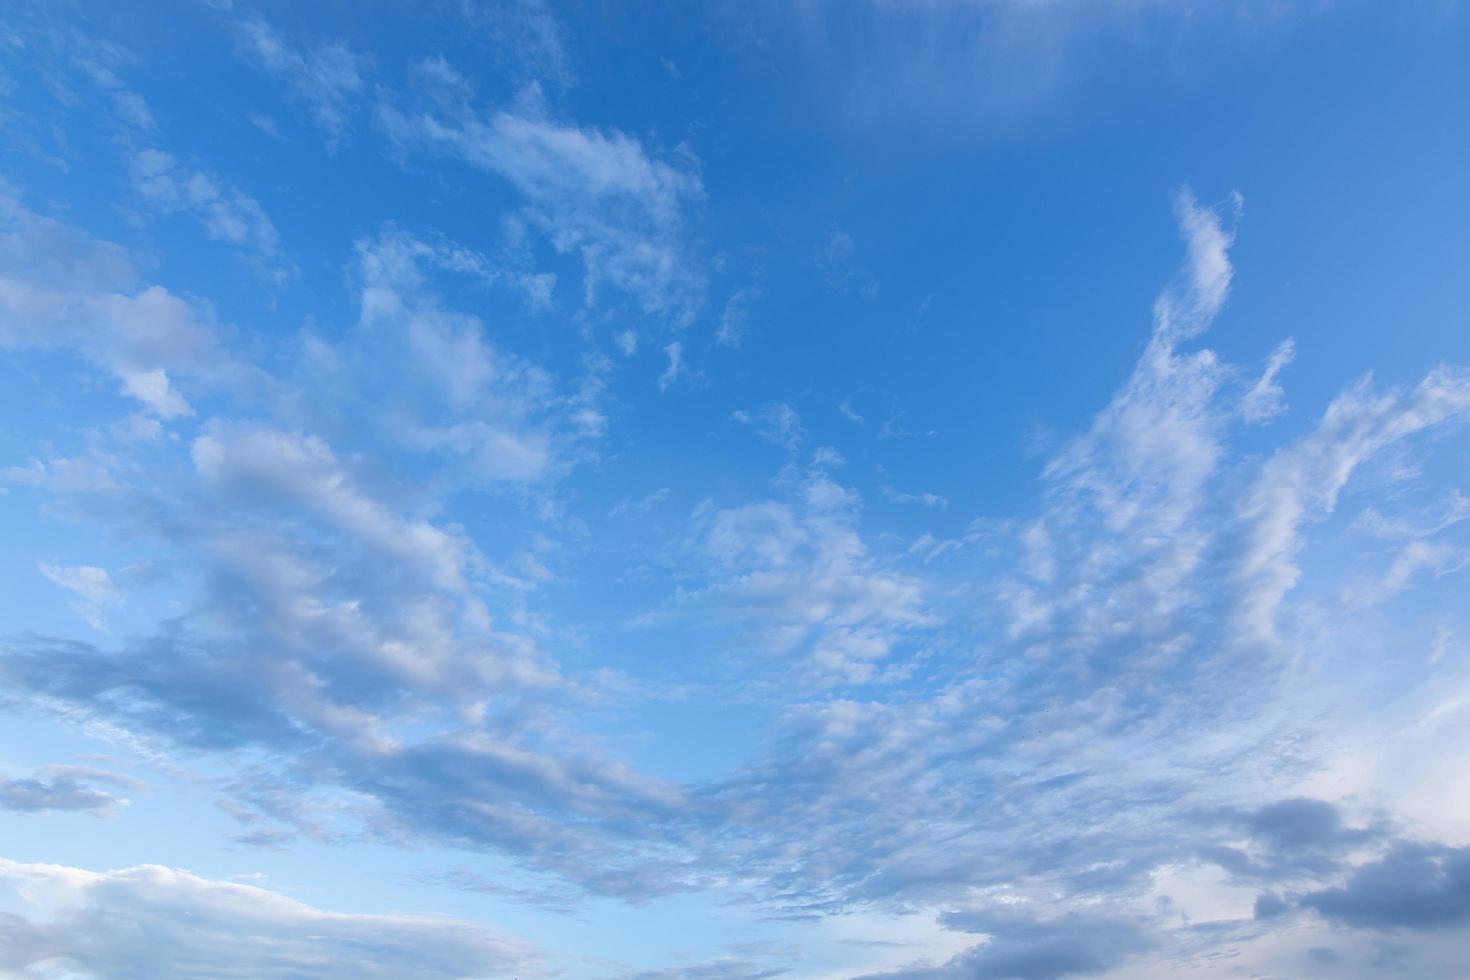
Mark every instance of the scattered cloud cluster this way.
pixel 1102 734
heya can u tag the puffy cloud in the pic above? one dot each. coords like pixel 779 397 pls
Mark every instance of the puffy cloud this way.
pixel 156 921
pixel 1413 886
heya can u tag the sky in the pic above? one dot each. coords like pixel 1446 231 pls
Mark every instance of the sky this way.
pixel 828 490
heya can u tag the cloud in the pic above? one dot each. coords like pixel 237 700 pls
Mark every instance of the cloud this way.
pixel 728 968
pixel 327 79
pixel 1413 886
pixel 1266 399
pixel 596 194
pixel 1290 839
pixel 1102 692
pixel 777 423
pixel 1453 508
pixel 523 33
pixel 91 584
pixel 1085 715
pixel 955 68
pixel 799 579
pixel 157 921
pixel 227 214
pixel 442 388
pixel 1301 482
pixel 252 464
pixel 927 499
pixel 346 645
pixel 328 616
pixel 61 288
pixel 674 351
pixel 1024 948
pixel 835 260
pixel 88 581
pixel 63 788
pixel 735 318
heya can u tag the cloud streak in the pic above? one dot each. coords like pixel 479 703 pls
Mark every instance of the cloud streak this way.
pixel 158 921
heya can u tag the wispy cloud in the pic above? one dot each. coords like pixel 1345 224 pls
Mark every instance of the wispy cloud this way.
pixel 326 78
pixel 599 195
pixel 227 214
pixel 777 423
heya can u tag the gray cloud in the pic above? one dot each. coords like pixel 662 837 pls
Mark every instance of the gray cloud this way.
pixel 1291 838
pixel 1413 886
pixel 1027 948
pixel 63 788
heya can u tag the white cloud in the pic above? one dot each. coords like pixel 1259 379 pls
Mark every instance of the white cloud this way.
pixel 1453 508
pixel 777 423
pixel 735 318
pixel 674 351
pixel 459 394
pixel 327 78
pixel 227 214
pixel 244 461
pixel 800 580
pixel 927 499
pixel 88 581
pixel 1266 400
pixel 156 921
pixel 1301 482
pixel 526 33
pixel 599 195
pixel 92 584
pixel 59 287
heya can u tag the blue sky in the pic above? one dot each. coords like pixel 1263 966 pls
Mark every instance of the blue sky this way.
pixel 828 490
